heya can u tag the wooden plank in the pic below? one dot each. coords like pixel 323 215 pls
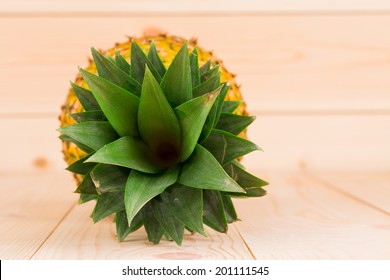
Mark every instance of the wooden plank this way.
pixel 230 6
pixel 301 218
pixel 32 144
pixel 372 188
pixel 78 238
pixel 291 62
pixel 289 142
pixel 31 206
pixel 320 143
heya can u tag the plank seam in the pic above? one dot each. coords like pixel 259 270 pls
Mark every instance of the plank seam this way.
pixel 116 14
pixel 54 229
pixel 322 112
pixel 347 194
pixel 257 112
pixel 245 243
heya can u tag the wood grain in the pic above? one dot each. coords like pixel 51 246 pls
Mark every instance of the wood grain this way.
pixel 285 63
pixel 329 142
pixel 31 206
pixel 371 188
pixel 316 74
pixel 301 218
pixel 192 6
pixel 32 144
pixel 78 238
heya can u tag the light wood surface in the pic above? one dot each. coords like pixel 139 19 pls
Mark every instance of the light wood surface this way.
pixel 31 206
pixel 285 64
pixel 319 96
pixel 190 6
pixel 300 218
pixel 315 73
pixel 79 238
pixel 371 188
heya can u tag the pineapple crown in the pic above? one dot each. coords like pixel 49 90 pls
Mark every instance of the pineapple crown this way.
pixel 161 144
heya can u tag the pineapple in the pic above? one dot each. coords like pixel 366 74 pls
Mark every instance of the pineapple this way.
pixel 156 137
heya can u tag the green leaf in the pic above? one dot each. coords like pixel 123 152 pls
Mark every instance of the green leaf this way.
pixel 107 204
pixel 128 152
pixel 226 147
pixel 205 67
pixel 208 86
pixel 80 167
pixel 219 103
pixel 172 226
pixel 109 178
pixel 231 106
pixel 230 212
pixel 247 181
pixel 93 134
pixel 138 64
pixel 108 70
pixel 121 63
pixel 141 188
pixel 122 227
pixel 167 236
pixel 209 123
pixel 158 124
pixel 250 192
pixel 109 58
pixel 77 143
pixel 186 204
pixel 214 114
pixel 95 115
pixel 86 98
pixel 155 59
pixel 152 226
pixel 213 211
pixel 251 184
pixel 203 171
pixel 192 116
pixel 84 198
pixel 86 186
pixel 195 73
pixel 176 83
pixel 234 123
pixel 119 106
pixel 210 73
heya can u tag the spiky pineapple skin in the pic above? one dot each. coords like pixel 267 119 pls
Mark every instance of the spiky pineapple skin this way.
pixel 167 47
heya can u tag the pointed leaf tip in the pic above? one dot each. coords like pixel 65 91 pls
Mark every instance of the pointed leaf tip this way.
pixel 157 122
pixel 128 152
pixel 186 204
pixel 203 171
pixel 107 69
pixel 192 116
pixel 141 188
pixel 226 147
pixel 138 62
pixel 176 83
pixel 93 134
pixel 119 105
pixel 233 123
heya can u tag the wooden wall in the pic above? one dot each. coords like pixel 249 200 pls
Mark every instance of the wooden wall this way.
pixel 315 73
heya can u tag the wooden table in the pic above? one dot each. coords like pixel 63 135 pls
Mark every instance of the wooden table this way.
pixel 304 216
pixel 317 76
